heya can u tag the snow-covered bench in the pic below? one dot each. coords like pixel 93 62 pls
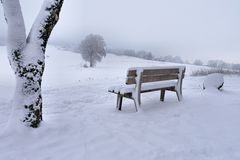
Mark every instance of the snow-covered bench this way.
pixel 148 79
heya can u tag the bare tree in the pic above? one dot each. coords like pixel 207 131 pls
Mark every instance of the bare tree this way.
pixel 170 58
pixel 235 66
pixel 212 63
pixel 218 64
pixel 27 57
pixel 92 49
pixel 144 55
pixel 129 52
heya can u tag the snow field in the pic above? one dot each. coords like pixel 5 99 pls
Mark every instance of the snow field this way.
pixel 81 122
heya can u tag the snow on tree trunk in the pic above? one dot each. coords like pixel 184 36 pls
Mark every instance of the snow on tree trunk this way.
pixel 27 57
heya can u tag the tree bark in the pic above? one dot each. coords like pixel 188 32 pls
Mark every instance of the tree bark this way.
pixel 91 59
pixel 27 57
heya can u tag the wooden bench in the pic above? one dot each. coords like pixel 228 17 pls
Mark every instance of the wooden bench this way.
pixel 148 79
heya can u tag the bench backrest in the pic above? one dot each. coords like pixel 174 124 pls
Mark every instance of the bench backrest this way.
pixel 155 74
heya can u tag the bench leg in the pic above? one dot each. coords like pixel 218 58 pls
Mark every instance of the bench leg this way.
pixel 135 103
pixel 162 95
pixel 118 97
pixel 119 102
pixel 179 96
pixel 139 99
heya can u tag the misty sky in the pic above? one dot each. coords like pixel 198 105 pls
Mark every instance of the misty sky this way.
pixel 205 29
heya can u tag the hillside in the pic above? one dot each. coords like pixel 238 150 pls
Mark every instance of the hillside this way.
pixel 81 122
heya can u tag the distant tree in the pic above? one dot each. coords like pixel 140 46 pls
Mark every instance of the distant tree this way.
pixel 170 58
pixel 217 64
pixel 186 62
pixel 222 64
pixel 178 59
pixel 198 62
pixel 129 52
pixel 145 55
pixel 92 49
pixel 236 66
pixel 114 51
pixel 212 63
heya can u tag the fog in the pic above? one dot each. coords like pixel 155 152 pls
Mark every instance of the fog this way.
pixel 204 29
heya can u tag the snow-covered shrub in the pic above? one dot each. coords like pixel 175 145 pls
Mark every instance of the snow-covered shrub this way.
pixel 214 80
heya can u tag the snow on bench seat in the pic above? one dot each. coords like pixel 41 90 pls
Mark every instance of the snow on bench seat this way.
pixel 124 89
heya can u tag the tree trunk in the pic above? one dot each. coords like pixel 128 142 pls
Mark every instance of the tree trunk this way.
pixel 28 93
pixel 27 57
pixel 91 60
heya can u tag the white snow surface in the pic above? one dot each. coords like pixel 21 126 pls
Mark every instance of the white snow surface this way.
pixel 81 120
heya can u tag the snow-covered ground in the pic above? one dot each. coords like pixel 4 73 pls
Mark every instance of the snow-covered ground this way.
pixel 81 122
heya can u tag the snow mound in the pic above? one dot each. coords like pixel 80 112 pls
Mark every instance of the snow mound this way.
pixel 214 80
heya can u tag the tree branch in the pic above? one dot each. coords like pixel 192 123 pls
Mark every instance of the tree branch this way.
pixel 44 23
pixel 16 29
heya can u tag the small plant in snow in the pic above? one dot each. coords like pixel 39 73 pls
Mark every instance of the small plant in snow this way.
pixel 92 49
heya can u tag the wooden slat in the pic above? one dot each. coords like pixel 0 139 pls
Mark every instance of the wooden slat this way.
pixel 159 88
pixel 160 71
pixel 130 81
pixel 159 75
pixel 146 79
pixel 132 73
